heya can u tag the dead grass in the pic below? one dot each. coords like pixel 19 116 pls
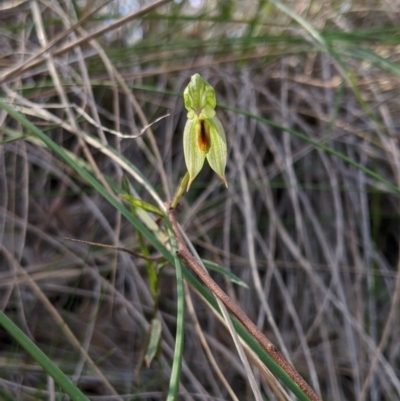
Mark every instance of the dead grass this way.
pixel 315 238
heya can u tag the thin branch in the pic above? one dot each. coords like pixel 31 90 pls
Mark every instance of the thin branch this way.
pixel 276 355
pixel 113 132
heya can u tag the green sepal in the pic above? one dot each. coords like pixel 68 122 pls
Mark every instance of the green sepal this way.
pixel 218 153
pixel 194 158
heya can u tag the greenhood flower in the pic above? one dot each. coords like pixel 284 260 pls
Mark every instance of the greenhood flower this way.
pixel 204 136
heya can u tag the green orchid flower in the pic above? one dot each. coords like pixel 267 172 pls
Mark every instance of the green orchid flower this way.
pixel 203 137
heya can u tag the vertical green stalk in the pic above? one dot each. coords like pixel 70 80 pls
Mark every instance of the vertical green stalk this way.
pixel 180 321
pixel 180 191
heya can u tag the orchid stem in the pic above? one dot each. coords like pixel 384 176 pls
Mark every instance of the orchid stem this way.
pixel 180 190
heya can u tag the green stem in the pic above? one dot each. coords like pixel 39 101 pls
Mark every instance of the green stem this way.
pixel 173 391
pixel 180 191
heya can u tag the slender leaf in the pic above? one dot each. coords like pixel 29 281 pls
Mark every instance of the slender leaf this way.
pixel 180 321
pixel 221 270
pixel 154 341
pixel 148 207
pixel 42 359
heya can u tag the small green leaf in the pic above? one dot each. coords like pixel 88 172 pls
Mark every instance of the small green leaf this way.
pixel 125 185
pixel 154 340
pixel 217 268
pixel 148 207
pixel 18 138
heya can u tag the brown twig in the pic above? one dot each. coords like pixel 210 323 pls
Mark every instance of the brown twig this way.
pixel 276 355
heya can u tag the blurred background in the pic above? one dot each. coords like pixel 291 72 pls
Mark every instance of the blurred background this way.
pixel 308 94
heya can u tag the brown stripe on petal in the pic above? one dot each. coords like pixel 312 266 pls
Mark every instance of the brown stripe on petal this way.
pixel 203 136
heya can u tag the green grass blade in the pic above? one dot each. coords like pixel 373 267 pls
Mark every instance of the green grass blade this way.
pixel 367 54
pixel 221 270
pixel 40 357
pixel 300 20
pixel 180 321
pixel 318 145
